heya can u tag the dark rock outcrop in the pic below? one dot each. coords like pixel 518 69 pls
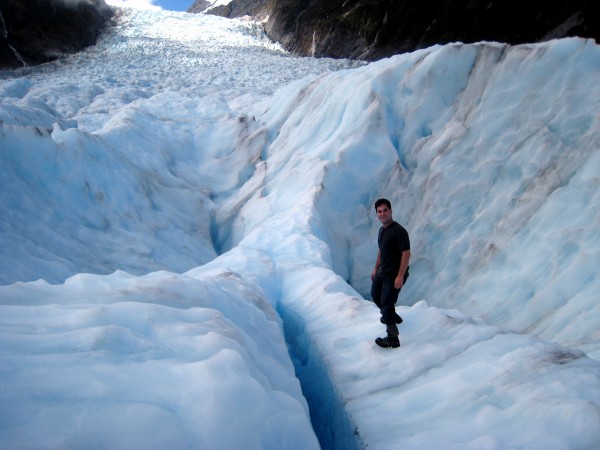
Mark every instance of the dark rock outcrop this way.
pixel 373 29
pixel 238 8
pixel 38 31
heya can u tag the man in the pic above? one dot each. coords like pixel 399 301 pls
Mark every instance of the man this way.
pixel 391 271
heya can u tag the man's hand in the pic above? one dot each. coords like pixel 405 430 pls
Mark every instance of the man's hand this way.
pixel 399 282
pixel 405 258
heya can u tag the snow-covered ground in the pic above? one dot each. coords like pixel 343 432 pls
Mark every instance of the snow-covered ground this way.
pixel 185 203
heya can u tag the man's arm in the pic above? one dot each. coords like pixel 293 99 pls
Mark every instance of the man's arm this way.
pixel 399 281
pixel 377 264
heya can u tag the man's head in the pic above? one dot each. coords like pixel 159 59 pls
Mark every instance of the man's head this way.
pixel 383 208
pixel 383 201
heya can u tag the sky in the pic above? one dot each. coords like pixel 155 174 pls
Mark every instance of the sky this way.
pixel 188 234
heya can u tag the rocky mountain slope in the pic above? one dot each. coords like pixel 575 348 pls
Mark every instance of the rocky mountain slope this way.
pixel 373 29
pixel 37 31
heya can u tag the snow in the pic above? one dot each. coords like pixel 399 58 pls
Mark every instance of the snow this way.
pixel 188 233
pixel 137 4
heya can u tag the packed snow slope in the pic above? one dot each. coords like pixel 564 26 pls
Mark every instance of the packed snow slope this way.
pixel 185 203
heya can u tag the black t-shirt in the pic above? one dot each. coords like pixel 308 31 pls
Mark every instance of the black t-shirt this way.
pixel 392 241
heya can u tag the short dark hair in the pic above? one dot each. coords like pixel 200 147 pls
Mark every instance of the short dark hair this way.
pixel 383 201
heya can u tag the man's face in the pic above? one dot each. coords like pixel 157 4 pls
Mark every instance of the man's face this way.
pixel 384 214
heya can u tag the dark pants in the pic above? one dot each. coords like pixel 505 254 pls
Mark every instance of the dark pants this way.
pixel 385 296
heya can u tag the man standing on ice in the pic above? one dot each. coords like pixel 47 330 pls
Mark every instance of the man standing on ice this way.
pixel 391 271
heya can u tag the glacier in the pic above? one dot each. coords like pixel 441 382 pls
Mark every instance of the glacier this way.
pixel 188 234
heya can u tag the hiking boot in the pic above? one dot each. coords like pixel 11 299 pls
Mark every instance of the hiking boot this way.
pixel 398 319
pixel 388 342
